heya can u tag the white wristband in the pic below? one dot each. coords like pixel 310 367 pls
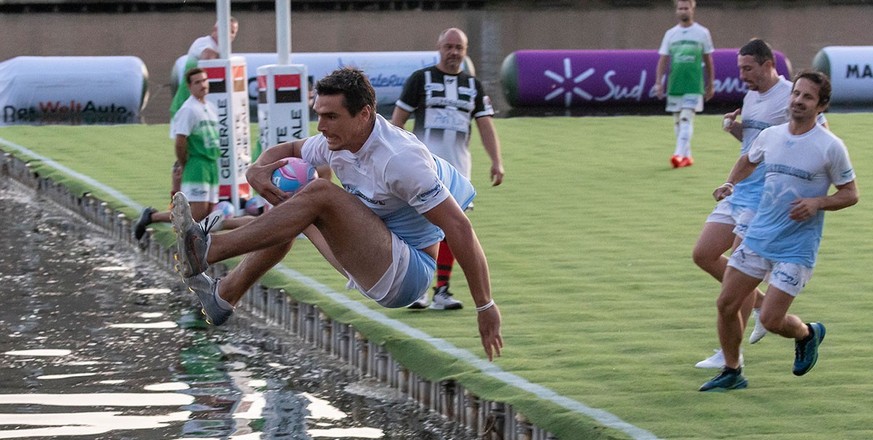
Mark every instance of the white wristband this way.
pixel 485 307
pixel 728 185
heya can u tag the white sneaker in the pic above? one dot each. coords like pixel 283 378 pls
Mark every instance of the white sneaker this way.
pixel 715 361
pixel 442 300
pixel 759 331
pixel 420 303
pixel 213 221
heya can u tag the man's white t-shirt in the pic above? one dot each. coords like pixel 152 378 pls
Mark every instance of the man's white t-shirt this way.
pixel 795 167
pixel 201 44
pixel 395 176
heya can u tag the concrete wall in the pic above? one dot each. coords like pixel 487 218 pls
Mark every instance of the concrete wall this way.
pixel 158 38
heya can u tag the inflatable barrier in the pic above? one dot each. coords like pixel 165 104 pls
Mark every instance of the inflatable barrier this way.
pixel 387 70
pixel 851 71
pixel 73 90
pixel 591 78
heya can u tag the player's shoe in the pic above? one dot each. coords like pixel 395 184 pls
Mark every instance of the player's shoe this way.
pixel 759 331
pixel 715 361
pixel 686 162
pixel 806 351
pixel 675 160
pixel 727 379
pixel 213 222
pixel 442 300
pixel 419 304
pixel 216 309
pixel 192 239
pixel 145 219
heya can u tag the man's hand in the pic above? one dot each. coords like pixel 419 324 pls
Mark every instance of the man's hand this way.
pixel 496 174
pixel 723 191
pixel 489 331
pixel 260 178
pixel 730 120
pixel 804 209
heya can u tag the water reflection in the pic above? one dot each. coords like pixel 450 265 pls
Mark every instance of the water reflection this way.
pixel 39 352
pixel 82 423
pixel 209 392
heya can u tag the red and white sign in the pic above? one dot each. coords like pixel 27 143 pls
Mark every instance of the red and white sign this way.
pixel 283 103
pixel 232 102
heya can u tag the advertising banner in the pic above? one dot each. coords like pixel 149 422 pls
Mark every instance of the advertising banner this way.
pixel 283 103
pixel 590 78
pixel 228 91
pixel 72 90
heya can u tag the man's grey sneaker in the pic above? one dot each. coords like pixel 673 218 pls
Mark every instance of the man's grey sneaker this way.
pixel 217 310
pixel 759 331
pixel 727 379
pixel 145 219
pixel 192 240
pixel 715 361
pixel 442 300
pixel 420 303
pixel 806 351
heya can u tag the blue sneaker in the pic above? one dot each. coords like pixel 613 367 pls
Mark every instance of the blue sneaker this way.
pixel 216 309
pixel 726 380
pixel 806 351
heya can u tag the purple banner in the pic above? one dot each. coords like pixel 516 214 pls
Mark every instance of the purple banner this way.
pixel 586 78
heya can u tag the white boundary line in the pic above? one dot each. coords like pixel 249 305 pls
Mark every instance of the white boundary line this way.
pixel 603 417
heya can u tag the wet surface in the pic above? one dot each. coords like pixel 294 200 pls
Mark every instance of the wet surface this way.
pixel 96 342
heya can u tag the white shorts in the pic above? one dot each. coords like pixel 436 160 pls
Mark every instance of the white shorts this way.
pixel 406 279
pixel 200 192
pixel 727 213
pixel 679 102
pixel 790 278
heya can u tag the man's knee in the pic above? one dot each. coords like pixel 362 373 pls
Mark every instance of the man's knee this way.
pixel 318 189
pixel 686 115
pixel 729 304
pixel 703 257
pixel 772 321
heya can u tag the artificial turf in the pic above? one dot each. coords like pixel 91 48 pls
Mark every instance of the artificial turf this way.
pixel 589 241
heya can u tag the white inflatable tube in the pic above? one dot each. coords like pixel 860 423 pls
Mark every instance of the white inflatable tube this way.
pixel 72 90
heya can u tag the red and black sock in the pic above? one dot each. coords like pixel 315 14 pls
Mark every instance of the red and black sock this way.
pixel 445 261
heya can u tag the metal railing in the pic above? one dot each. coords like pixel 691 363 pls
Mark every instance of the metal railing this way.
pixel 276 315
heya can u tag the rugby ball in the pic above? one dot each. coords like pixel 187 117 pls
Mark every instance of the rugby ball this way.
pixel 256 206
pixel 225 208
pixel 294 175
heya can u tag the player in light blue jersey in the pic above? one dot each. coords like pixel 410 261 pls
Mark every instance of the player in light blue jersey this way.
pixel 380 230
pixel 801 160
pixel 765 105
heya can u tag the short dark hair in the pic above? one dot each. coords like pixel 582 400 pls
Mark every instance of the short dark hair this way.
pixel 191 72
pixel 759 49
pixel 352 84
pixel 824 85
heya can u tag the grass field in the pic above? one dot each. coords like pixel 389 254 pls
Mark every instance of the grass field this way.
pixel 589 241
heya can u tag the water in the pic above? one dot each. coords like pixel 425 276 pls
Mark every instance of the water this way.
pixel 98 343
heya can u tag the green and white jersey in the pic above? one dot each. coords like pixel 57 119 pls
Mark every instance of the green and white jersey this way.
pixel 198 121
pixel 686 47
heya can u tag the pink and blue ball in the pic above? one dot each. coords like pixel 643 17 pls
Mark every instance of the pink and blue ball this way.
pixel 226 209
pixel 256 206
pixel 294 175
